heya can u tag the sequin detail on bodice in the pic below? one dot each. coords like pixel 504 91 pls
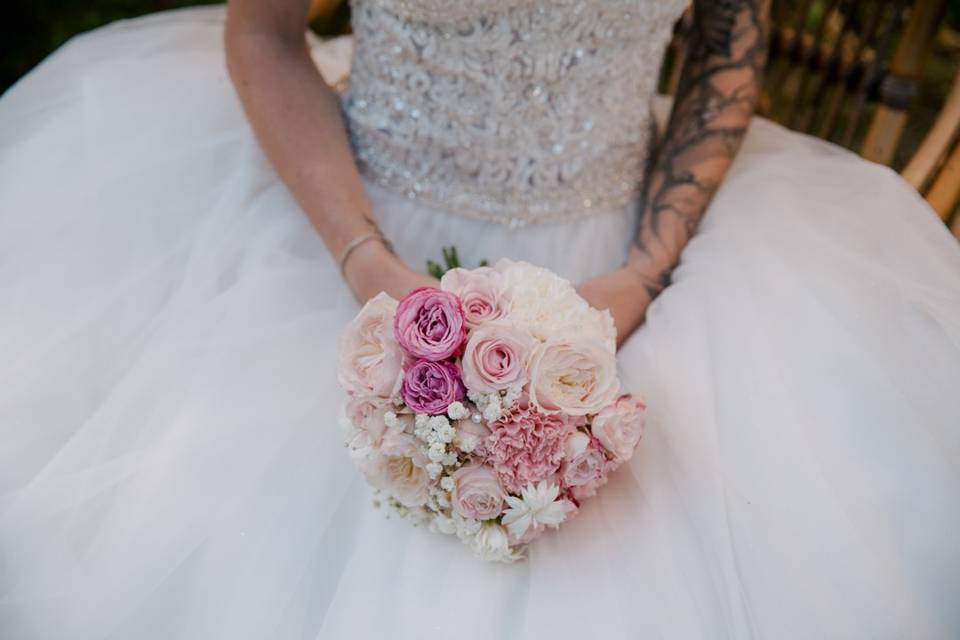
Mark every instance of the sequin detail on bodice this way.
pixel 512 111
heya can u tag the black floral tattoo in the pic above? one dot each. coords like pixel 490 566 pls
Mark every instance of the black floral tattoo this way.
pixel 718 90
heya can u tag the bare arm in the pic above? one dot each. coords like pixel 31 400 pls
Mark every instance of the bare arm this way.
pixel 718 90
pixel 297 121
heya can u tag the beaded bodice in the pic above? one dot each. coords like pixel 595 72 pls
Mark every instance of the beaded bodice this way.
pixel 513 111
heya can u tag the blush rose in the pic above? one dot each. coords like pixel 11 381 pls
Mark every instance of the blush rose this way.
pixel 398 467
pixel 481 293
pixel 495 358
pixel 575 377
pixel 476 492
pixel 370 359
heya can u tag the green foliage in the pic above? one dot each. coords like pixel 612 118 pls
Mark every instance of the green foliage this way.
pixel 451 261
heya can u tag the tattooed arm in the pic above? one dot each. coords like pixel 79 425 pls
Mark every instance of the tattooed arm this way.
pixel 718 90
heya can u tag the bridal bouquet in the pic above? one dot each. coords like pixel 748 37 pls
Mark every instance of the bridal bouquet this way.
pixel 490 407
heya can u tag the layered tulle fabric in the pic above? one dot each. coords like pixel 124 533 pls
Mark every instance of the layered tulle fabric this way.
pixel 170 458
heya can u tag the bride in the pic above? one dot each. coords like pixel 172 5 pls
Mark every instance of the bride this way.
pixel 171 251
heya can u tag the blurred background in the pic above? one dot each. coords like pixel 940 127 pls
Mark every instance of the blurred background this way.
pixel 33 29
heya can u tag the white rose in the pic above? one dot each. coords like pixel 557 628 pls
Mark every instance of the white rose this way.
pixel 575 377
pixel 370 360
pixel 399 468
pixel 549 307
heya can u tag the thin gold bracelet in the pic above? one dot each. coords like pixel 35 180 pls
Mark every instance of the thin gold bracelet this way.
pixel 356 242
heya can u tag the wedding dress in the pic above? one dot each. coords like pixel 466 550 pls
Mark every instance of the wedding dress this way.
pixel 171 464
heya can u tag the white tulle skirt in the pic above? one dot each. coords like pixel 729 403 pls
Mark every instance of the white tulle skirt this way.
pixel 170 461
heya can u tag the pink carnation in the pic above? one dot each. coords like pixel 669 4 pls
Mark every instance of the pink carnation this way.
pixel 429 324
pixel 526 446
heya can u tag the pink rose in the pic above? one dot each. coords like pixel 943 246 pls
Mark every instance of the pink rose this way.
pixel 481 293
pixel 525 445
pixel 429 324
pixel 585 467
pixel 430 387
pixel 495 358
pixel 619 426
pixel 370 360
pixel 398 468
pixel 576 377
pixel 476 492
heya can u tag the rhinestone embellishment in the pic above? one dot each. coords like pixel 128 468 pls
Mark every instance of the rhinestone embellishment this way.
pixel 512 111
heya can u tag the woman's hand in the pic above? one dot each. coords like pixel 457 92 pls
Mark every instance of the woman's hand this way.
pixel 371 268
pixel 625 293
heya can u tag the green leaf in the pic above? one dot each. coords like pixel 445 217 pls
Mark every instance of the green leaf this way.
pixel 452 261
pixel 434 269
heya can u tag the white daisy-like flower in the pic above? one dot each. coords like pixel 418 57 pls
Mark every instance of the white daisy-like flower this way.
pixel 434 469
pixel 538 505
pixel 446 483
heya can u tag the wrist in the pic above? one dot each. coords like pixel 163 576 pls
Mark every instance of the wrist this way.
pixel 365 266
pixel 646 274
